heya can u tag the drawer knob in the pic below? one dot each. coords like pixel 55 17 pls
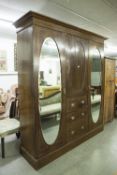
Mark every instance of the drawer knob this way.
pixel 82 114
pixel 72 132
pixel 82 127
pixel 72 117
pixel 82 102
pixel 72 104
pixel 78 66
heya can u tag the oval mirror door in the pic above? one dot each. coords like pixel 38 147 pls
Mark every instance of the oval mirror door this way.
pixel 49 83
pixel 95 87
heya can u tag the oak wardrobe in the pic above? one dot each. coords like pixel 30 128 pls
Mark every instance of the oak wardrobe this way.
pixel 60 74
pixel 109 92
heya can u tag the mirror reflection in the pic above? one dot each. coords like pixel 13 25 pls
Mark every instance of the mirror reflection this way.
pixel 95 88
pixel 49 83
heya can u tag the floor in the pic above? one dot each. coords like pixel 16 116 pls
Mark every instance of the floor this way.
pixel 97 156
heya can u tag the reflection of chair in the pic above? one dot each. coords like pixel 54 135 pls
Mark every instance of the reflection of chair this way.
pixel 95 89
pixel 95 94
pixel 95 99
pixel 50 105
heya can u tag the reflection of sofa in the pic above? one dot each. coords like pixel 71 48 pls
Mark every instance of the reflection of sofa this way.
pixel 50 105
pixel 45 91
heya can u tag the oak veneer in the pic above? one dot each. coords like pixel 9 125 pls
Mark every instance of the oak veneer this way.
pixel 74 45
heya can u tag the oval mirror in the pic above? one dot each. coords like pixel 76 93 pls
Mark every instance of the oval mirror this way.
pixel 95 87
pixel 49 83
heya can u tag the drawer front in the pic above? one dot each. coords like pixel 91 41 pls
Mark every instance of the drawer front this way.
pixel 83 102
pixel 72 105
pixel 83 112
pixel 76 116
pixel 76 104
pixel 72 117
pixel 77 128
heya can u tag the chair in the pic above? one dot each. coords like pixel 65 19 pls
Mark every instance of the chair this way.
pixel 7 126
pixel 4 103
pixel 9 102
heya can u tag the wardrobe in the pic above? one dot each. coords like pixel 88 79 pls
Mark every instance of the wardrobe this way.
pixel 67 62
pixel 109 93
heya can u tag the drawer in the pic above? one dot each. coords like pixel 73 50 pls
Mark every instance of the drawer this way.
pixel 83 102
pixel 76 104
pixel 77 129
pixel 72 105
pixel 75 116
pixel 83 112
pixel 72 117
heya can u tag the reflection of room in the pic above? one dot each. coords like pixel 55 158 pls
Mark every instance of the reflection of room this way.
pixel 51 71
pixel 96 82
pixel 95 102
pixel 49 76
pixel 49 90
pixel 49 67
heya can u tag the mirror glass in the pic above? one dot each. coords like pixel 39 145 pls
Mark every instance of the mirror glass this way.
pixel 95 87
pixel 49 84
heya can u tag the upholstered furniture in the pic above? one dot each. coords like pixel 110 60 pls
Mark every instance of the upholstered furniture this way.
pixel 7 98
pixel 7 127
pixel 51 104
pixel 3 100
pixel 46 91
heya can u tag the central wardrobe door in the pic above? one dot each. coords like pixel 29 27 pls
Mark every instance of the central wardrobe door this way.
pixel 49 83
pixel 76 66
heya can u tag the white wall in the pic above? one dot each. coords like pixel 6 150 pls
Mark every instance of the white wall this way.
pixel 8 45
pixel 7 79
pixel 50 64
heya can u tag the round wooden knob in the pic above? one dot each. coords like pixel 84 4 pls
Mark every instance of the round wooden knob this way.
pixel 72 132
pixel 82 127
pixel 72 104
pixel 78 66
pixel 82 114
pixel 72 117
pixel 82 102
